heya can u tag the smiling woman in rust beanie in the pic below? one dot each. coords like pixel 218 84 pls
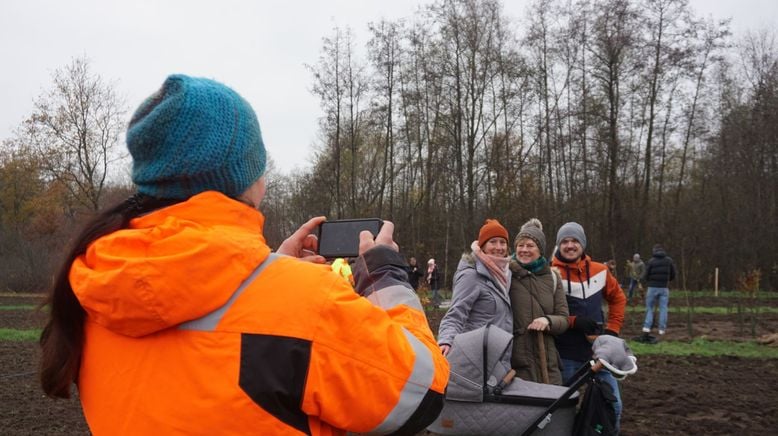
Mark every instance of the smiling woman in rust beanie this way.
pixel 539 308
pixel 172 314
pixel 480 293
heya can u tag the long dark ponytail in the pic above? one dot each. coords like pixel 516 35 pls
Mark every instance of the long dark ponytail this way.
pixel 62 340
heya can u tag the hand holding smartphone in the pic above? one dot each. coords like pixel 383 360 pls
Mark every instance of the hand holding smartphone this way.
pixel 302 243
pixel 340 238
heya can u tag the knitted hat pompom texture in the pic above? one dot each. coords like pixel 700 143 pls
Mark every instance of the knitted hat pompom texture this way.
pixel 491 229
pixel 533 229
pixel 195 135
pixel 571 230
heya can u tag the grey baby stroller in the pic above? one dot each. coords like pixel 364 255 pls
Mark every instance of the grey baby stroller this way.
pixel 483 398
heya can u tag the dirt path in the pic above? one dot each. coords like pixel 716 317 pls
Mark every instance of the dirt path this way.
pixel 696 395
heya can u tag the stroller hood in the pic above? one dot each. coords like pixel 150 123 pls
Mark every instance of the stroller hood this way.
pixel 478 362
pixel 466 357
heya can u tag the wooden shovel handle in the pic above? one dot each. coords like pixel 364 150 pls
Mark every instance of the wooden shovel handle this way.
pixel 543 359
pixel 509 377
pixel 505 381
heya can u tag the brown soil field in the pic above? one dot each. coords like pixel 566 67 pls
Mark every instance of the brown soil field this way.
pixel 667 396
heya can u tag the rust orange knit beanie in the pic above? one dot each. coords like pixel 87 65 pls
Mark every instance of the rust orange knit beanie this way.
pixel 491 229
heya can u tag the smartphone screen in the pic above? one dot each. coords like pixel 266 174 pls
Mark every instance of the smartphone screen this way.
pixel 340 238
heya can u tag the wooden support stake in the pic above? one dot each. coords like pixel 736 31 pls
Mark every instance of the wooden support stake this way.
pixel 716 282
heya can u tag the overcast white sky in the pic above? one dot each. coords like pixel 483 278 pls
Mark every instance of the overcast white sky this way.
pixel 259 48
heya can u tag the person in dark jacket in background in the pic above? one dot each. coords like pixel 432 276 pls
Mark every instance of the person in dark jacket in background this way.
pixel 660 270
pixel 414 273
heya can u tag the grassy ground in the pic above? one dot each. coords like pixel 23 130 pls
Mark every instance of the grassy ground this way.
pixel 708 310
pixel 696 347
pixel 704 347
pixel 19 335
pixel 724 310
pixel 723 294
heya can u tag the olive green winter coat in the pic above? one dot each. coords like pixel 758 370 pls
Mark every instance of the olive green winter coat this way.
pixel 533 296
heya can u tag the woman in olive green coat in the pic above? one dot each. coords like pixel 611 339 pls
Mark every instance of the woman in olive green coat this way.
pixel 539 308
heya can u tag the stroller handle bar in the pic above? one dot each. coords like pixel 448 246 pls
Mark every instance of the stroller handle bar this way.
pixel 619 373
pixel 581 376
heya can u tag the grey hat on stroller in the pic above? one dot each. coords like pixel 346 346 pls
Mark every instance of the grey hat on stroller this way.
pixel 615 355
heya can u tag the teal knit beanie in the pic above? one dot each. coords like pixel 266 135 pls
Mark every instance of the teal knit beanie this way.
pixel 195 135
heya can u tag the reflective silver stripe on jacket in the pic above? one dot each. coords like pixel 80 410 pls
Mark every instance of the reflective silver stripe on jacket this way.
pixel 395 295
pixel 209 322
pixel 414 390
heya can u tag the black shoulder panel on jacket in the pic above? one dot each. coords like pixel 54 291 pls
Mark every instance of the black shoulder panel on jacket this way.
pixel 273 372
pixel 428 411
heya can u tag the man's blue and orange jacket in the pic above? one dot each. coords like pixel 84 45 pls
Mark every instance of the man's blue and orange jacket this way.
pixel 587 286
pixel 194 327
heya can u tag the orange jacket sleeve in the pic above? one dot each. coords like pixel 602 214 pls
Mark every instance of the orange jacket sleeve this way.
pixel 617 303
pixel 375 367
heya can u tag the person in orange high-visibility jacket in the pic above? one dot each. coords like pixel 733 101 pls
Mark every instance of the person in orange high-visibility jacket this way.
pixel 173 316
pixel 341 267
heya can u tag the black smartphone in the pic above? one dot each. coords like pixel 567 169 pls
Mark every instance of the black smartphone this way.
pixel 340 238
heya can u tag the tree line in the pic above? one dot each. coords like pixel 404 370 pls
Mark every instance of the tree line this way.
pixel 635 118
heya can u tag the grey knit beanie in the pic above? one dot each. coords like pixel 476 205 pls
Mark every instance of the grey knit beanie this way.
pixel 571 230
pixel 533 229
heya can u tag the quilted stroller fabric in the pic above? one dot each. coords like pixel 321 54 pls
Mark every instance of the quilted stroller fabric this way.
pixel 473 405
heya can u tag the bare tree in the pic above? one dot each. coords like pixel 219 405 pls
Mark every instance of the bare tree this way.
pixel 665 24
pixel 74 130
pixel 711 38
pixel 421 100
pixel 356 86
pixel 540 41
pixel 613 41
pixel 385 53
pixel 328 85
pixel 469 31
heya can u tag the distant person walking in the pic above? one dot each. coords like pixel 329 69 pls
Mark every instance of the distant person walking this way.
pixel 636 270
pixel 660 270
pixel 433 280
